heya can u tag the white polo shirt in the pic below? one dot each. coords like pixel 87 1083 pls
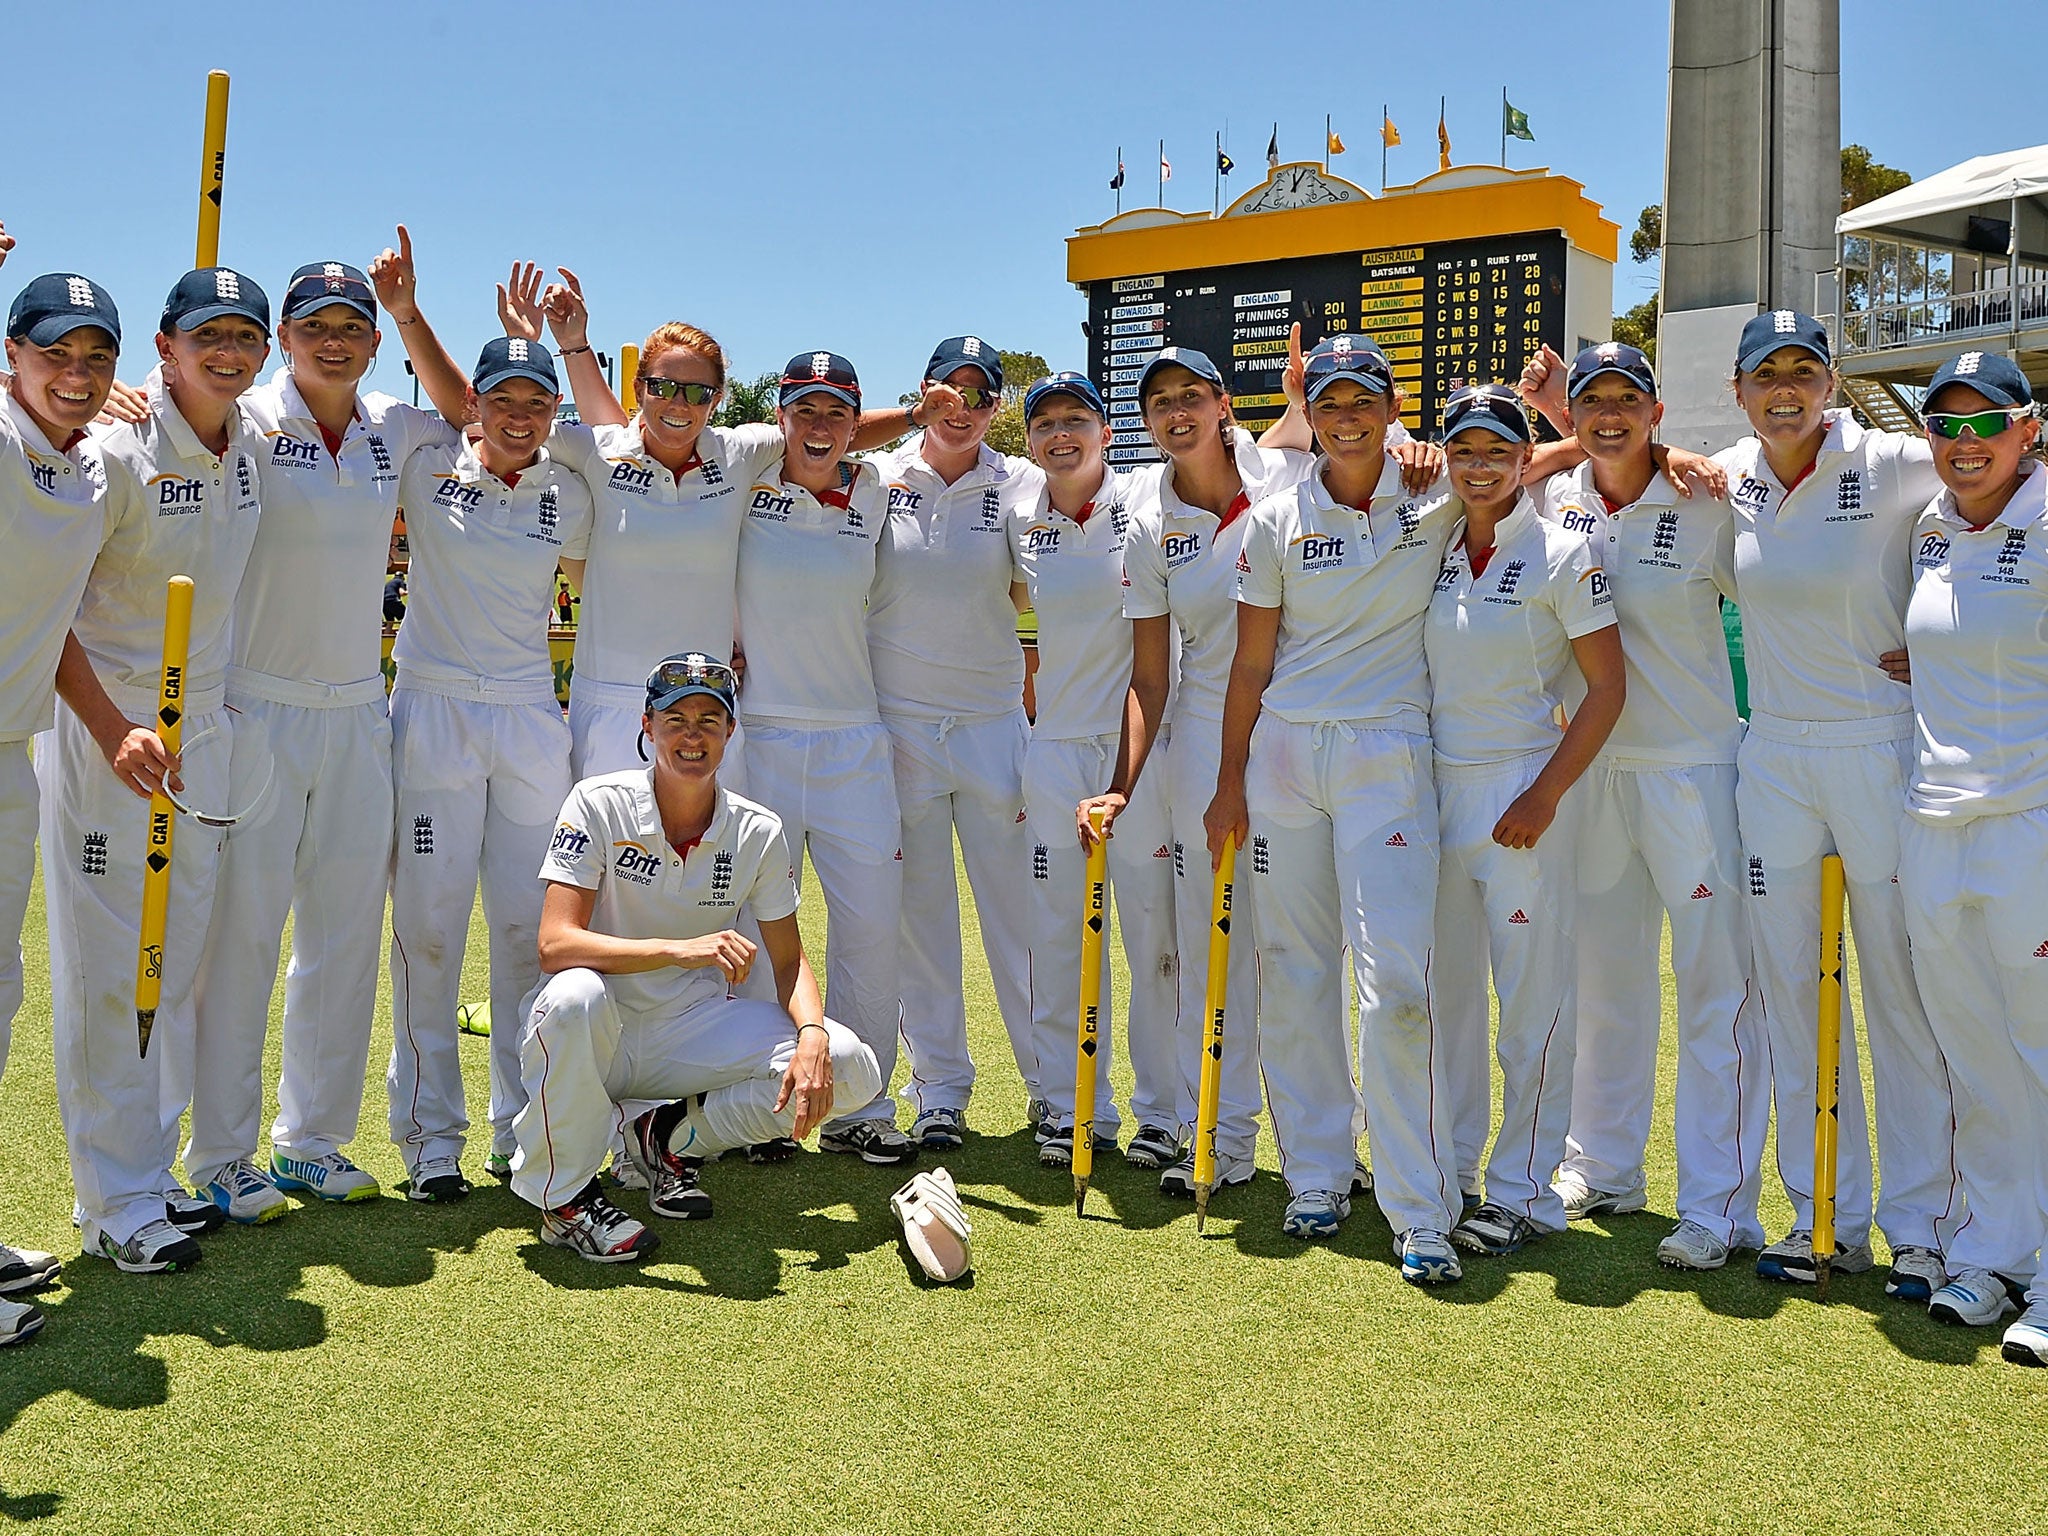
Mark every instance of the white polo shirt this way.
pixel 1075 574
pixel 176 508
pixel 1823 573
pixel 942 635
pixel 664 550
pixel 1977 626
pixel 806 568
pixel 1500 643
pixel 310 609
pixel 609 840
pixel 54 516
pixel 1669 562
pixel 1183 561
pixel 481 585
pixel 1352 585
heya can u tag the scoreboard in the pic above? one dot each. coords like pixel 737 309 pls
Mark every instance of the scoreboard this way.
pixel 1446 313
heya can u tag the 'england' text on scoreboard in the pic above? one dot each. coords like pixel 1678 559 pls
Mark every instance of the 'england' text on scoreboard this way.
pixel 1445 313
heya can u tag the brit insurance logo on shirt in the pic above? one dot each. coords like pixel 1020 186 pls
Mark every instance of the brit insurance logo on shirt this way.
pixel 569 844
pixel 1042 539
pixel 904 498
pixel 1180 549
pixel 450 492
pixel 633 861
pixel 1577 519
pixel 43 473
pixel 288 452
pixel 1319 551
pixel 1933 552
pixel 176 496
pixel 630 476
pixel 1752 495
pixel 769 503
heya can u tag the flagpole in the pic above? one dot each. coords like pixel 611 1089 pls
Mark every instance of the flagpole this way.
pixel 1119 178
pixel 1216 181
pixel 1162 173
pixel 1326 143
pixel 1503 127
pixel 1384 120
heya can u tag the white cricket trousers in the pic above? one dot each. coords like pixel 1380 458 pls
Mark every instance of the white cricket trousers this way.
pixel 1344 853
pixel 1653 839
pixel 1976 900
pixel 1191 758
pixel 1058 776
pixel 836 795
pixel 479 786
pixel 964 775
pixel 321 850
pixel 1517 906
pixel 1800 801
pixel 121 1110
pixel 18 812
pixel 583 1055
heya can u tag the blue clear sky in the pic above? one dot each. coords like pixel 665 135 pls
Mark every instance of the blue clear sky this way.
pixel 864 177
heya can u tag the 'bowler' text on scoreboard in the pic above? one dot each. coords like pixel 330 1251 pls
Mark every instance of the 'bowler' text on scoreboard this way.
pixel 1445 313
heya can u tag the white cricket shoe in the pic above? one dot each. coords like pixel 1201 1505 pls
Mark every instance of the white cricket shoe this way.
pixel 1790 1259
pixel 157 1249
pixel 1916 1273
pixel 592 1226
pixel 23 1269
pixel 1976 1298
pixel 2026 1341
pixel 244 1195
pixel 1692 1246
pixel 1427 1257
pixel 18 1321
pixel 1315 1214
pixel 1583 1202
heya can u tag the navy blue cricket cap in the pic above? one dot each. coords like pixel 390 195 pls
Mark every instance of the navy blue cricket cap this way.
pixel 1992 374
pixel 211 293
pixel 957 352
pixel 1615 357
pixel 1195 362
pixel 819 373
pixel 56 304
pixel 690 672
pixel 514 357
pixel 1357 358
pixel 1079 385
pixel 1493 406
pixel 1776 328
pixel 321 283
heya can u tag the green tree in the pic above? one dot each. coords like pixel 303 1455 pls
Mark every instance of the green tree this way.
pixel 1864 179
pixel 1638 327
pixel 749 402
pixel 1021 370
pixel 1648 238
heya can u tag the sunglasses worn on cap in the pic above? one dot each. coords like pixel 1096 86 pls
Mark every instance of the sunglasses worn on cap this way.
pixel 1951 424
pixel 668 389
pixel 693 674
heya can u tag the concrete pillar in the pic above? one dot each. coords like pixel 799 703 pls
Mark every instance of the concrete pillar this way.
pixel 1752 185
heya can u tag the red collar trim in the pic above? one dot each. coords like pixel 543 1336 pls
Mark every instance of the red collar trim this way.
pixel 1240 504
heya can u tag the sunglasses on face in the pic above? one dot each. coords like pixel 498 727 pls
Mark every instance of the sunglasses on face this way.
pixel 668 389
pixel 1951 424
pixel 974 397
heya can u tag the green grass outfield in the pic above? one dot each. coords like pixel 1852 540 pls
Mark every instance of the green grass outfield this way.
pixel 393 1368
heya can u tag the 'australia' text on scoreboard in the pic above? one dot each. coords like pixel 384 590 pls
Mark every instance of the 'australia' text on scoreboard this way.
pixel 1446 314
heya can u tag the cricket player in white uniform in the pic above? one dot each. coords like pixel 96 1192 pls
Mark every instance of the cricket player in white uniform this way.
pixel 182 490
pixel 646 872
pixel 817 753
pixel 1824 514
pixel 479 750
pixel 949 679
pixel 1069 545
pixel 1658 834
pixel 1326 777
pixel 1521 626
pixel 307 683
pixel 63 339
pixel 1973 858
pixel 1188 522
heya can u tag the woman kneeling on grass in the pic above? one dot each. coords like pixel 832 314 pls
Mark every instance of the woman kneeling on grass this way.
pixel 646 873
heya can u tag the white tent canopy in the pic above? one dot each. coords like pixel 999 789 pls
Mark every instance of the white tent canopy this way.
pixel 1938 208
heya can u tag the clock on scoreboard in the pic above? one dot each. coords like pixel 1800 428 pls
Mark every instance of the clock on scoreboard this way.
pixel 1446 313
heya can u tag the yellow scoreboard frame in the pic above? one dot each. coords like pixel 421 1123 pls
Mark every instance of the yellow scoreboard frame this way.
pixel 1460 276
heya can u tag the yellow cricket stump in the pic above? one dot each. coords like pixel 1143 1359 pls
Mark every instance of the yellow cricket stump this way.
pixel 1087 1031
pixel 156 866
pixel 212 169
pixel 1827 1084
pixel 629 370
pixel 1206 1105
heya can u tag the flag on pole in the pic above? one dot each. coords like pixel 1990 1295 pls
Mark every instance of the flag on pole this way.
pixel 1165 169
pixel 1224 164
pixel 1514 122
pixel 1116 182
pixel 1336 143
pixel 1273 150
pixel 1443 139
pixel 1389 134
